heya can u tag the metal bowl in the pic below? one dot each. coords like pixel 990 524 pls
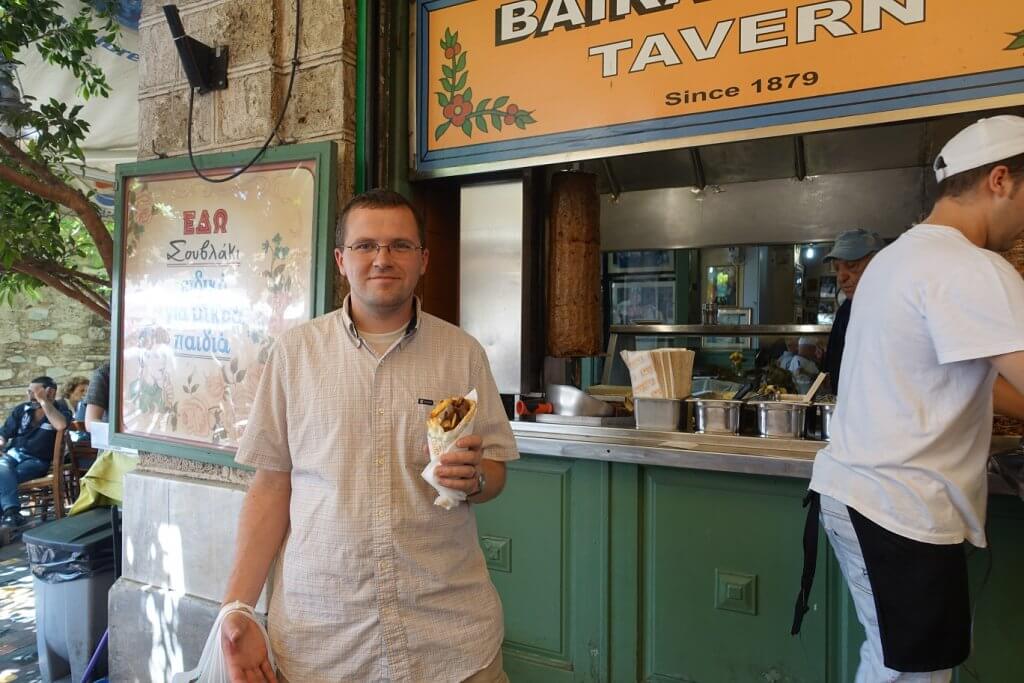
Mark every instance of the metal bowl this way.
pixel 780 419
pixel 567 400
pixel 716 416
pixel 827 411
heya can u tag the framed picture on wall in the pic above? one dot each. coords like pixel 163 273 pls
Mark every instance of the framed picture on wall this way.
pixel 647 301
pixel 207 276
pixel 645 261
pixel 730 316
pixel 723 285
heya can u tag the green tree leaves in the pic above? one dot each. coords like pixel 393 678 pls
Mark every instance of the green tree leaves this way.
pixel 40 237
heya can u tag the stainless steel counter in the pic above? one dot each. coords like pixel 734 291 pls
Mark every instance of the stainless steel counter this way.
pixel 741 454
pixel 744 454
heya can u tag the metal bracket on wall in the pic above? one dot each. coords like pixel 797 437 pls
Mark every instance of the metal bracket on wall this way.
pixel 700 180
pixel 799 157
pixel 613 181
pixel 613 184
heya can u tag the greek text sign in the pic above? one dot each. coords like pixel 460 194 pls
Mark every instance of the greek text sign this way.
pixel 499 80
pixel 210 275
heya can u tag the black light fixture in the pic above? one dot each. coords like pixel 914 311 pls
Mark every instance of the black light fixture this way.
pixel 205 67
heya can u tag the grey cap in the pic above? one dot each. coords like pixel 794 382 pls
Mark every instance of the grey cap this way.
pixel 852 245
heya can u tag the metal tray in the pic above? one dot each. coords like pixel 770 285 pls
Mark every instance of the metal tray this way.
pixel 586 421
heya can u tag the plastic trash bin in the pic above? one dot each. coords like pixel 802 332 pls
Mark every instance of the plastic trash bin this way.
pixel 72 563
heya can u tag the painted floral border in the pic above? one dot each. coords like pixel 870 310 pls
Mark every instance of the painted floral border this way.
pixel 456 97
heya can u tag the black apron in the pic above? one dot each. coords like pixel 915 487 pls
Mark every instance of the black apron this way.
pixel 920 590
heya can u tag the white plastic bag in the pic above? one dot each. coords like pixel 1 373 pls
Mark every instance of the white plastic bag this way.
pixel 212 667
pixel 440 442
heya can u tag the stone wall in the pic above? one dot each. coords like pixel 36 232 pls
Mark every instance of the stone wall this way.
pixel 260 35
pixel 52 336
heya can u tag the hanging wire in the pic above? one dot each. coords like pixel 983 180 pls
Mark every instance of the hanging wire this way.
pixel 273 133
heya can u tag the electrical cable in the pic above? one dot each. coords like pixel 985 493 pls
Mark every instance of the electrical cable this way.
pixel 273 133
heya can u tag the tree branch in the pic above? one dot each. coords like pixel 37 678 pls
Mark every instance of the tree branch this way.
pixel 49 186
pixel 93 294
pixel 19 156
pixel 68 272
pixel 78 295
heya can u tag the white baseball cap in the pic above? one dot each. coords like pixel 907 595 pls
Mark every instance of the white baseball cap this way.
pixel 983 142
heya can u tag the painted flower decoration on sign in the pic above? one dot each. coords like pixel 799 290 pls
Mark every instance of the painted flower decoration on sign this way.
pixel 1018 41
pixel 194 416
pixel 456 100
pixel 143 207
pixel 140 205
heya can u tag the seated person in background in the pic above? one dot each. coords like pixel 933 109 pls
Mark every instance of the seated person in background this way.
pixel 789 354
pixel 73 396
pixel 27 439
pixel 770 354
pixel 804 365
pixel 97 396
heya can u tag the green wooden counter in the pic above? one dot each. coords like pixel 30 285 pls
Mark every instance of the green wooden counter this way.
pixel 682 564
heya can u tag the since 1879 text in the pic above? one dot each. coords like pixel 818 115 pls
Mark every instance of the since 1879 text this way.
pixel 761 85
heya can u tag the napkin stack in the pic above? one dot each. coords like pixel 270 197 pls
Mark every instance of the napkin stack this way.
pixel 660 373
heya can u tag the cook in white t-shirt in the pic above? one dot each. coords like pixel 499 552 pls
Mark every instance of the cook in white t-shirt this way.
pixel 903 483
pixel 911 432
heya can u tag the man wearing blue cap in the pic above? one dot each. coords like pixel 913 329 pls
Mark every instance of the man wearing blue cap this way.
pixel 903 486
pixel 850 255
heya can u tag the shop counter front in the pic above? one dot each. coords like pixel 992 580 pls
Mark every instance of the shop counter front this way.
pixel 623 555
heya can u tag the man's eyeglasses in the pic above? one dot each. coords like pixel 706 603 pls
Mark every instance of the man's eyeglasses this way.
pixel 398 247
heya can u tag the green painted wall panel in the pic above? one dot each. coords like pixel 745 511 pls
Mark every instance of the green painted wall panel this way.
pixel 607 572
pixel 532 514
pixel 997 594
pixel 554 516
pixel 624 555
pixel 696 524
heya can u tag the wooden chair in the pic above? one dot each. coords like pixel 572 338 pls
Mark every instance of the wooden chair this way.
pixel 78 454
pixel 38 495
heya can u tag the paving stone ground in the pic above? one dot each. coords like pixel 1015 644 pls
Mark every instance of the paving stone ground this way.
pixel 18 657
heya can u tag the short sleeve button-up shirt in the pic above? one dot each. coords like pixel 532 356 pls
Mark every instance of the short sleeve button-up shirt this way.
pixel 373 581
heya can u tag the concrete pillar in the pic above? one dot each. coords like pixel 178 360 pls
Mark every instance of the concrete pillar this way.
pixel 180 516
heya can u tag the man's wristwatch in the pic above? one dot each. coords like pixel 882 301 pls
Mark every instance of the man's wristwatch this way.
pixel 481 482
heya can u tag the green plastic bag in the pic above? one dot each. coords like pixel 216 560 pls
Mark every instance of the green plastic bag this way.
pixel 103 484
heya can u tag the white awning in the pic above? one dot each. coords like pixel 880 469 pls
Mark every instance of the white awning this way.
pixel 113 121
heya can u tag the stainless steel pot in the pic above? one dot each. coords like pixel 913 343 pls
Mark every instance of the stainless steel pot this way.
pixel 780 419
pixel 826 410
pixel 660 414
pixel 716 416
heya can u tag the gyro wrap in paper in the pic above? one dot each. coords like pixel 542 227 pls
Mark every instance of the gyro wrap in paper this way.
pixel 441 440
